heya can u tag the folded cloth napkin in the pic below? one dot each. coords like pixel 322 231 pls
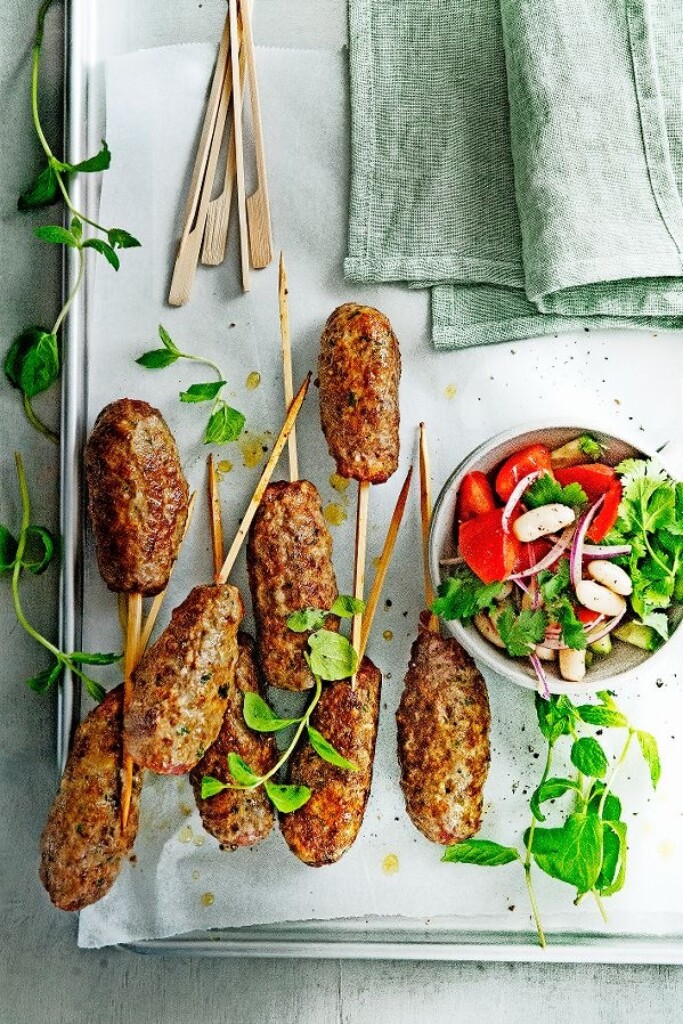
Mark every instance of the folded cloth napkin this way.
pixel 524 158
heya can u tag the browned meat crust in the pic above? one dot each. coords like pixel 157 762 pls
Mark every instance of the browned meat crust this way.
pixel 323 829
pixel 443 739
pixel 359 368
pixel 289 556
pixel 137 497
pixel 237 818
pixel 181 686
pixel 82 845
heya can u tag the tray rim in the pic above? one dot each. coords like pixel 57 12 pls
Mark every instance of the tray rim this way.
pixel 333 939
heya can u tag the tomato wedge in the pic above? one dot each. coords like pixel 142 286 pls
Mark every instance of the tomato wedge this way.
pixel 475 497
pixel 585 615
pixel 519 465
pixel 596 480
pixel 489 552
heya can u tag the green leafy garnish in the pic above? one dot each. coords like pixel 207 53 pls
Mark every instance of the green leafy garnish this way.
pixel 555 590
pixel 287 798
pixel 546 490
pixel 346 606
pixel 225 424
pixel 307 619
pixel 202 392
pixel 587 848
pixel 324 749
pixel 463 595
pixel 331 655
pixel 260 717
pixel 591 448
pixel 520 632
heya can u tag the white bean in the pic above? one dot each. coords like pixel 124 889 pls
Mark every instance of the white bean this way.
pixel 611 576
pixel 572 665
pixel 546 653
pixel 539 522
pixel 599 599
pixel 487 629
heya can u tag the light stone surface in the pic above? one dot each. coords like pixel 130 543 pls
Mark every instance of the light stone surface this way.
pixel 44 978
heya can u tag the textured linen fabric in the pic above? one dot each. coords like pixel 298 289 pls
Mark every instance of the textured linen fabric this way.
pixel 524 157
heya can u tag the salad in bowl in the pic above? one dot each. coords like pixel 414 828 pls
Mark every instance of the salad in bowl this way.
pixel 558 556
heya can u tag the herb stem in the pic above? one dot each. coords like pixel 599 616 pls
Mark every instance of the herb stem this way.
pixel 610 780
pixel 205 362
pixel 36 422
pixel 74 291
pixel 527 858
pixel 601 905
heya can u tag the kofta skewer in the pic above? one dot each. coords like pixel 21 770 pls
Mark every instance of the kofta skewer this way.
pixel 443 723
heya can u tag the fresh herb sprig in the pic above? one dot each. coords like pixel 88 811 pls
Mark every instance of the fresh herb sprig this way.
pixel 330 658
pixel 34 550
pixel 588 850
pixel 32 364
pixel 546 490
pixel 225 423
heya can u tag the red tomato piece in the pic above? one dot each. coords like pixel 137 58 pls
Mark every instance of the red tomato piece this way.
pixel 608 514
pixel 519 465
pixel 475 497
pixel 585 615
pixel 596 480
pixel 489 552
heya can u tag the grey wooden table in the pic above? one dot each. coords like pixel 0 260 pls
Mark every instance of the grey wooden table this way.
pixel 44 978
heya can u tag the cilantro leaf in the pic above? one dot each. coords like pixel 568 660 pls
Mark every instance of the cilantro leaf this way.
pixel 463 594
pixel 521 632
pixel 591 448
pixel 546 490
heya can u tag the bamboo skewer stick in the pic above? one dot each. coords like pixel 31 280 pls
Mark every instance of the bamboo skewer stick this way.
pixel 285 335
pixel 239 144
pixel 215 518
pixel 359 562
pixel 425 519
pixel 264 481
pixel 133 626
pixel 383 565
pixel 258 206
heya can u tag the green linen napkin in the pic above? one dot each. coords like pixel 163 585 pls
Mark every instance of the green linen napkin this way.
pixel 524 158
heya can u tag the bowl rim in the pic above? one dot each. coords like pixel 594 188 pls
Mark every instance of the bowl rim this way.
pixel 477 646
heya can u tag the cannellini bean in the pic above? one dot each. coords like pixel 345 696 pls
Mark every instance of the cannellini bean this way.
pixel 487 629
pixel 541 521
pixel 599 599
pixel 545 653
pixel 572 665
pixel 611 576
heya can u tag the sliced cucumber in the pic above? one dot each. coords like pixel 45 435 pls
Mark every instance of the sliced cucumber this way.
pixel 602 646
pixel 638 635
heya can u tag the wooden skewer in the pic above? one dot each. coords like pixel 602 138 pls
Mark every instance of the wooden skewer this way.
pixel 286 337
pixel 258 206
pixel 132 648
pixel 203 176
pixel 359 562
pixel 218 214
pixel 425 518
pixel 215 517
pixel 239 144
pixel 155 607
pixel 383 565
pixel 264 481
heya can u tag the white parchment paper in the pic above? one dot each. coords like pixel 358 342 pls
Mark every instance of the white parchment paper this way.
pixel 179 880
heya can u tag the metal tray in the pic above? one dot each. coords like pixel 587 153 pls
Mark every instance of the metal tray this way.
pixel 87 27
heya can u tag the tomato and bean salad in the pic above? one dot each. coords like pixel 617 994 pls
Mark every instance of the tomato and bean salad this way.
pixel 560 553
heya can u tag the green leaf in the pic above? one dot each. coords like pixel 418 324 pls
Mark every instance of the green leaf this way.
pixel 325 750
pixel 260 717
pixel 332 657
pixel 572 631
pixel 521 632
pixel 590 447
pixel 100 162
pixel 88 658
pixel 346 606
pixel 588 756
pixel 463 594
pixel 44 680
pixel 611 810
pixel 76 228
pixel 614 855
pixel 202 392
pixel 157 359
pixel 660 623
pixel 32 362
pixel 39 549
pixel 598 714
pixel 307 619
pixel 573 853
pixel 167 341
pixel 241 772
pixel 551 789
pixel 95 690
pixel 211 786
pixel 287 798
pixel 42 192
pixel 650 752
pixel 120 239
pixel 606 697
pixel 56 235
pixel 480 851
pixel 8 550
pixel 556 716
pixel 554 584
pixel 546 490
pixel 106 250
pixel 225 425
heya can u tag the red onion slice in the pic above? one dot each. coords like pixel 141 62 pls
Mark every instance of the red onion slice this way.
pixel 514 498
pixel 542 678
pixel 605 550
pixel 607 628
pixel 576 553
pixel 561 545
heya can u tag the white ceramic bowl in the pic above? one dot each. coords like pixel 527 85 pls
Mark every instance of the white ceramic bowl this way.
pixel 624 658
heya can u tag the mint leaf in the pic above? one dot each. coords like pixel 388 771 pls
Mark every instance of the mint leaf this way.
pixel 202 392
pixel 614 855
pixel 520 633
pixel 32 362
pixel 120 239
pixel 44 680
pixel 463 594
pixel 331 655
pixel 573 853
pixel 157 359
pixel 551 789
pixel 100 162
pixel 611 810
pixel 96 691
pixel 605 717
pixel 42 192
pixel 241 772
pixel 211 786
pixel 8 550
pixel 650 752
pixel 105 249
pixel 167 341
pixel 260 717
pixel 546 490
pixel 39 549
pixel 588 756
pixel 325 750
pixel 556 716
pixel 346 606
pixel 55 234
pixel 307 619
pixel 89 658
pixel 287 798
pixel 480 851
pixel 225 425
